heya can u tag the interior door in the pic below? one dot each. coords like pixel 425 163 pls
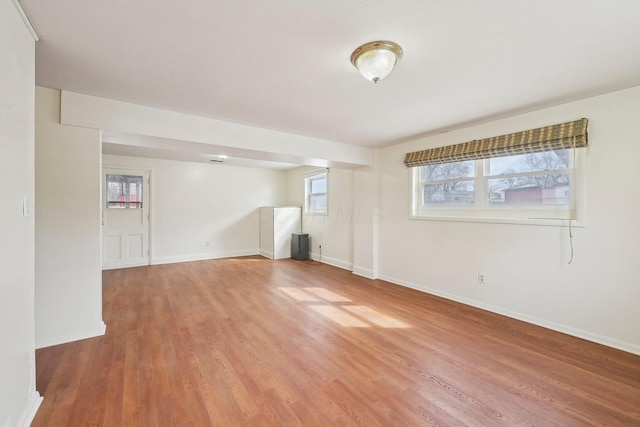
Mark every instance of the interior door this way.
pixel 125 218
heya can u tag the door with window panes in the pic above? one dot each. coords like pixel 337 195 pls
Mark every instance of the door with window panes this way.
pixel 125 218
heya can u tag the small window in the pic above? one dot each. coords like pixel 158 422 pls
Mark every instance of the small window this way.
pixel 124 192
pixel 316 193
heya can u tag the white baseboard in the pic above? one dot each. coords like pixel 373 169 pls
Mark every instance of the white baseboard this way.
pixel 266 254
pixel 364 272
pixel 98 331
pixel 565 329
pixel 30 410
pixel 116 267
pixel 332 261
pixel 203 256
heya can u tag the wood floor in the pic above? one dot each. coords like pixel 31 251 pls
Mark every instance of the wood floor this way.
pixel 251 341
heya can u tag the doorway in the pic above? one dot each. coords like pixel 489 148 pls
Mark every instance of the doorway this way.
pixel 125 218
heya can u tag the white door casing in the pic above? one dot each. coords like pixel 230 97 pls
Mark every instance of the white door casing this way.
pixel 125 230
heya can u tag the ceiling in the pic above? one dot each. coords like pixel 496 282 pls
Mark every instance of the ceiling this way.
pixel 284 65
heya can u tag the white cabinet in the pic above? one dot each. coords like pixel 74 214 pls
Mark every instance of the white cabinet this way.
pixel 276 225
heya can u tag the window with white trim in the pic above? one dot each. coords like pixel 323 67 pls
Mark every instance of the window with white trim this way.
pixel 316 193
pixel 532 174
pixel 539 185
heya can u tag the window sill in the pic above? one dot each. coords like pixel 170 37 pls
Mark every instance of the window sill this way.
pixel 496 220
pixel 323 213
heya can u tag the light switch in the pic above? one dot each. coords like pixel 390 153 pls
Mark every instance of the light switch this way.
pixel 26 207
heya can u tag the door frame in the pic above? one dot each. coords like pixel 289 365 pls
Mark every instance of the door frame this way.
pixel 103 207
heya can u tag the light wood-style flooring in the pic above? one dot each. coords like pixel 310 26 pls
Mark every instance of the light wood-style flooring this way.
pixel 251 341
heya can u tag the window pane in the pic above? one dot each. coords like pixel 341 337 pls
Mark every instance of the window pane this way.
pixel 124 191
pixel 318 185
pixel 318 203
pixel 450 193
pixel 550 189
pixel 534 162
pixel 444 171
pixel 135 192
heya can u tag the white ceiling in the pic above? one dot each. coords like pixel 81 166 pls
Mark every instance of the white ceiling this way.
pixel 284 64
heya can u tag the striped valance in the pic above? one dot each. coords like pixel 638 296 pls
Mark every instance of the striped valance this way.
pixel 556 137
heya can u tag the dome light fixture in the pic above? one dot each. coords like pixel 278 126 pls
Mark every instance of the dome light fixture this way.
pixel 375 60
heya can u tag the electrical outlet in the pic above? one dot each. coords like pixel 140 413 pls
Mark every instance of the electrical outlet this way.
pixel 481 278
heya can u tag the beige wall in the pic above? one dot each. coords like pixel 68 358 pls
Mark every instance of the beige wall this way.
pixel 196 203
pixel 68 264
pixel 18 397
pixel 526 266
pixel 366 202
pixel 335 230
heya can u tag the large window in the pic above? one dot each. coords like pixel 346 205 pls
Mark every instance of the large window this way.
pixel 528 175
pixel 316 193
pixel 541 185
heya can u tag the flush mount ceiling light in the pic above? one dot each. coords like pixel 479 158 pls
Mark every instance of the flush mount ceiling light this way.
pixel 375 60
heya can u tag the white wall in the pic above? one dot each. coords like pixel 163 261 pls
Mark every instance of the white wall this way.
pixel 68 264
pixel 596 297
pixel 18 397
pixel 335 230
pixel 192 203
pixel 366 202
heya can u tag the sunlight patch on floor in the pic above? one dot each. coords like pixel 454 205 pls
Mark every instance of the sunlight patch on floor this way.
pixel 300 295
pixel 338 309
pixel 339 316
pixel 327 294
pixel 375 317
